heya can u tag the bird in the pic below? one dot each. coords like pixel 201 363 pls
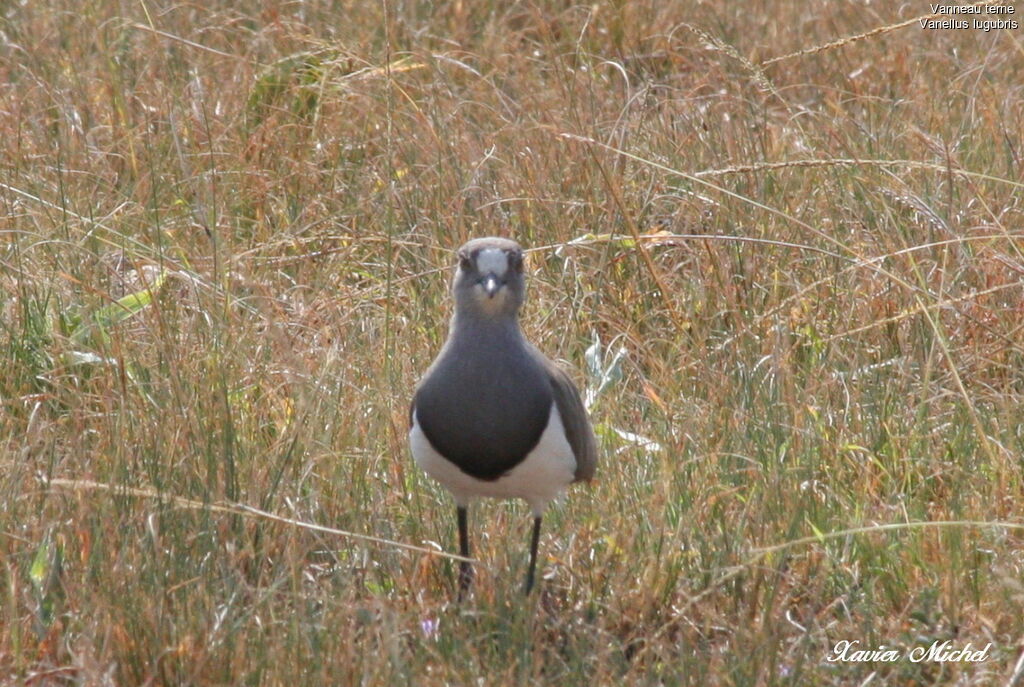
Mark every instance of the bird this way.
pixel 492 416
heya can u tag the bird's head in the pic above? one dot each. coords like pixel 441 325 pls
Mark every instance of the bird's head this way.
pixel 489 279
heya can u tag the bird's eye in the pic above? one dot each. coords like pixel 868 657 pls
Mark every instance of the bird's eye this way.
pixel 465 261
pixel 516 261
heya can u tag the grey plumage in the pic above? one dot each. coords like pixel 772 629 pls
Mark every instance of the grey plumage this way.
pixel 492 416
pixel 488 432
pixel 577 426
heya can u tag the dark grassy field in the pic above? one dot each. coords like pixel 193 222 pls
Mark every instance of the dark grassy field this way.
pixel 779 242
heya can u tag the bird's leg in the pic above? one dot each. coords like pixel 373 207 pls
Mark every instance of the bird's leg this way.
pixel 533 554
pixel 465 568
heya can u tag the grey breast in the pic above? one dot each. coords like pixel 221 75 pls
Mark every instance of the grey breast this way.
pixel 484 409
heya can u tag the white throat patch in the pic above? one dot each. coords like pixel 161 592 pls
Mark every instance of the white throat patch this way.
pixel 492 260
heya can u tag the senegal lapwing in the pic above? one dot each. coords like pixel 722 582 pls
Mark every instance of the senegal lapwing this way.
pixel 492 416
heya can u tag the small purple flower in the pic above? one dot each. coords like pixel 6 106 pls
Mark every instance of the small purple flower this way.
pixel 430 627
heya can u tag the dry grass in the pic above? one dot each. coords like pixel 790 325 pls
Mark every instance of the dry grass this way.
pixel 225 236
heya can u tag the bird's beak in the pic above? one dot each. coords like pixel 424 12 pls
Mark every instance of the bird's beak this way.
pixel 491 285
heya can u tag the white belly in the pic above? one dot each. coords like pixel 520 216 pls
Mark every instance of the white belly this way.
pixel 542 477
